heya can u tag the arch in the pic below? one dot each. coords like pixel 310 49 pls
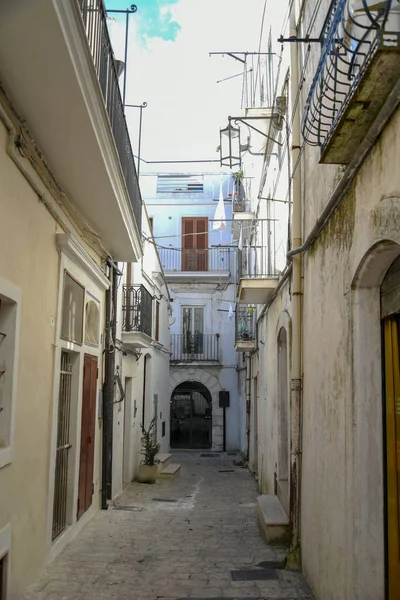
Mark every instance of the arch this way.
pixel 210 381
pixel 367 413
pixel 191 416
pixel 283 417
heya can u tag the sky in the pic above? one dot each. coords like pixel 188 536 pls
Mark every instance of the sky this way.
pixel 169 67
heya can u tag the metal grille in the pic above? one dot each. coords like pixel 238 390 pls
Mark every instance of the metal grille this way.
pixel 245 323
pixel 197 259
pixel 63 446
pixel 137 309
pixel 198 347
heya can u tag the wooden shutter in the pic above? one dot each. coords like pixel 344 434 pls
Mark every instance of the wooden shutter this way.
pixel 194 243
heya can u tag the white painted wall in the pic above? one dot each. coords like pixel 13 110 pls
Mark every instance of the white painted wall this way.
pixel 128 413
pixel 167 211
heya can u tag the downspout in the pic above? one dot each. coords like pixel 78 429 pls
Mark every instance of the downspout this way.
pixel 108 385
pixel 294 558
pixel 248 403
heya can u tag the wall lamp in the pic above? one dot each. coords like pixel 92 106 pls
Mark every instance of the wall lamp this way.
pixel 230 147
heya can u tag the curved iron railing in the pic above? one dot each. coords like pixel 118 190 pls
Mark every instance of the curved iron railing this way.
pixel 354 32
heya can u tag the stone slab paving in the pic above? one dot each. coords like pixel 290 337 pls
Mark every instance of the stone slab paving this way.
pixel 178 539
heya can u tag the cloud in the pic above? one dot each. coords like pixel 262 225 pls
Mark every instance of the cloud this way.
pixel 156 20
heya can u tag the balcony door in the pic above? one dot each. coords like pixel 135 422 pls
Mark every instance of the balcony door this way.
pixel 194 244
pixel 193 330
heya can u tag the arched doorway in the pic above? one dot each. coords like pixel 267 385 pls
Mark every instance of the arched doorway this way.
pixel 191 416
pixel 283 421
pixel 390 314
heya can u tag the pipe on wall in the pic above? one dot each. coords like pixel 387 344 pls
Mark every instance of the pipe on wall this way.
pixel 248 403
pixel 296 366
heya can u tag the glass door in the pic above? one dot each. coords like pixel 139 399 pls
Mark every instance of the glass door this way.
pixel 193 331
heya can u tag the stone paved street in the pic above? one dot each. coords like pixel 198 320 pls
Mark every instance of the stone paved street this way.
pixel 149 547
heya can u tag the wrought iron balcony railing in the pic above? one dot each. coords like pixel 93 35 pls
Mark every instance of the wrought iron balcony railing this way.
pixel 257 258
pixel 245 318
pixel 355 32
pixel 95 22
pixel 197 259
pixel 137 309
pixel 198 347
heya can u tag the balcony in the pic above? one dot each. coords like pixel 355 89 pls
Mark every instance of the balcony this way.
pixel 357 72
pixel 245 337
pixel 137 322
pixel 197 348
pixel 258 275
pixel 200 264
pixel 62 80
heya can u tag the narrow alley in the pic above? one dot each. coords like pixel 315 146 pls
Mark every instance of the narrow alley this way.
pixel 196 536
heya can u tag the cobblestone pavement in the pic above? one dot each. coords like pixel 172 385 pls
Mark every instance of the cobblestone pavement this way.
pixel 176 539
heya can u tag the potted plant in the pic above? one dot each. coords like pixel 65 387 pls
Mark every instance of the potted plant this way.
pixel 148 468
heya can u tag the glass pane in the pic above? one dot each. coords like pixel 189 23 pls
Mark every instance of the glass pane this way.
pixel 72 310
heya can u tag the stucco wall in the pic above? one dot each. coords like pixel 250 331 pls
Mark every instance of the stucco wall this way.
pixel 30 260
pixel 276 317
pixel 342 490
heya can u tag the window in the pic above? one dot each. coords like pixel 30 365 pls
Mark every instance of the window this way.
pixel 151 223
pixel 157 328
pixel 92 323
pixel 9 297
pixel 193 329
pixel 175 184
pixel 72 310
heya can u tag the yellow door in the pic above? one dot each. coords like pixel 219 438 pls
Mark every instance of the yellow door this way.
pixel 392 388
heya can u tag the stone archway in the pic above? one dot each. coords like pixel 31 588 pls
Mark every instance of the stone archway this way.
pixel 367 408
pixel 210 381
pixel 191 417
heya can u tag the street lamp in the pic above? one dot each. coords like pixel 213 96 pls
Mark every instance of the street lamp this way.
pixel 229 147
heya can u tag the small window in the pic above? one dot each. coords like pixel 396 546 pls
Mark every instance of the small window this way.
pixel 92 323
pixel 72 310
pixel 157 331
pixel 8 332
pixel 178 184
pixel 151 222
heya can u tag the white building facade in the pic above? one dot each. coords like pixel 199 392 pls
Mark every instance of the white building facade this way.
pixel 199 263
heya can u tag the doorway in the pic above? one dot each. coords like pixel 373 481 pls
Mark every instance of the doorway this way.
pixel 390 306
pixel 191 417
pixel 86 464
pixel 282 483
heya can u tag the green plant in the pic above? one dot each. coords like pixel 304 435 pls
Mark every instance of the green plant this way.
pixel 150 446
pixel 238 176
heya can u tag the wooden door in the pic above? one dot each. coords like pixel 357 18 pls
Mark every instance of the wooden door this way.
pixel 86 463
pixel 392 397
pixel 194 244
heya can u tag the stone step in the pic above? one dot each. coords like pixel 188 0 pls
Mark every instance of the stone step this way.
pixel 171 471
pixel 273 519
pixel 164 461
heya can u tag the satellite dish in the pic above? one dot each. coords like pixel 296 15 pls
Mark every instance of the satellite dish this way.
pixel 172 320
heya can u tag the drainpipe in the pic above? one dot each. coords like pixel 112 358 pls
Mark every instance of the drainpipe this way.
pixel 296 373
pixel 248 403
pixel 108 385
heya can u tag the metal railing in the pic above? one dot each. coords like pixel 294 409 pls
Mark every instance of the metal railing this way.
pixel 352 34
pixel 137 309
pixel 197 259
pixel 257 258
pixel 63 447
pixel 245 318
pixel 198 347
pixel 95 22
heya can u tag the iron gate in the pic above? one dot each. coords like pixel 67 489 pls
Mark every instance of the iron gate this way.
pixel 191 420
pixel 63 446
